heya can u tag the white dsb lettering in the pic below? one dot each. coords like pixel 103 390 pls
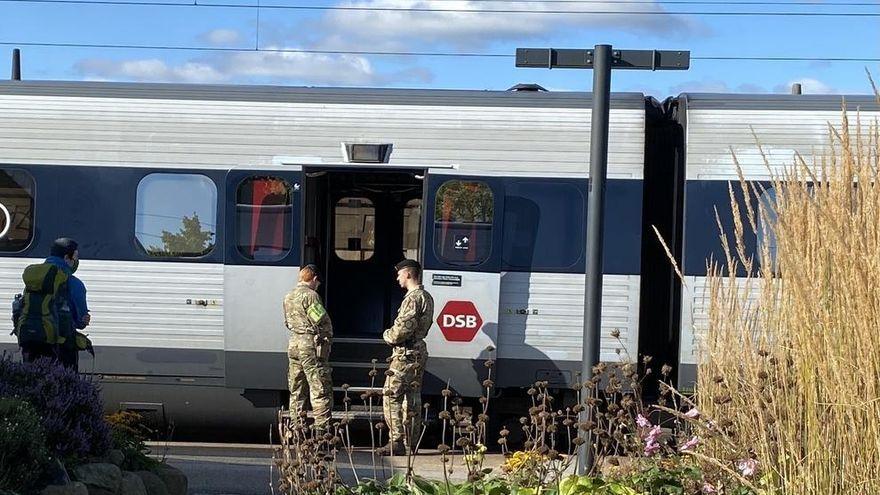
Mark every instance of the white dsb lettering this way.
pixel 459 321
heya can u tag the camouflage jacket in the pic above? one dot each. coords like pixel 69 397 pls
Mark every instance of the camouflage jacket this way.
pixel 305 314
pixel 413 320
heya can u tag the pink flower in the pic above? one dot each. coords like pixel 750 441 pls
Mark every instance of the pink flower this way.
pixel 689 445
pixel 694 413
pixel 642 421
pixel 747 467
pixel 651 448
pixel 707 488
pixel 653 434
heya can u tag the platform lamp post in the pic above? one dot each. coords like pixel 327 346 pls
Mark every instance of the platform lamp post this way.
pixel 602 59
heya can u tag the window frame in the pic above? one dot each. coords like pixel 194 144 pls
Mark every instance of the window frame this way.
pixel 497 216
pixel 372 205
pixel 33 217
pixel 235 221
pixel 580 238
pixel 218 215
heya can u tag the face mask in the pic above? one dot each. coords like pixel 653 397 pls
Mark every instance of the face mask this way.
pixel 74 266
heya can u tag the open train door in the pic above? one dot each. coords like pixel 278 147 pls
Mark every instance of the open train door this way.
pixel 462 271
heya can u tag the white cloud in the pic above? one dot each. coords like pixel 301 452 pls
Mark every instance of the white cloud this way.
pixel 152 70
pixel 809 86
pixel 259 67
pixel 221 37
pixel 402 30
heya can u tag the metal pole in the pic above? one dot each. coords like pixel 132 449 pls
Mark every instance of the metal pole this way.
pixel 16 64
pixel 595 224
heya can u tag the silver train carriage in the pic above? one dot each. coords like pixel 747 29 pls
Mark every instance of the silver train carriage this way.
pixel 194 207
pixel 754 128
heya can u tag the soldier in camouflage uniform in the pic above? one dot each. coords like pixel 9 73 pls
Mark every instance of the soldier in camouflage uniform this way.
pixel 402 392
pixel 311 333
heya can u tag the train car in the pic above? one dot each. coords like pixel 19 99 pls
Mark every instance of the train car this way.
pixel 195 205
pixel 714 128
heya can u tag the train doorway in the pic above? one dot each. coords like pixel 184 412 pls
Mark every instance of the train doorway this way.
pixel 357 225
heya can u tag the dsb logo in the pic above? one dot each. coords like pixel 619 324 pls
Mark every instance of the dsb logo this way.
pixel 459 321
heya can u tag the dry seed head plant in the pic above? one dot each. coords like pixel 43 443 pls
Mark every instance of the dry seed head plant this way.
pixel 791 354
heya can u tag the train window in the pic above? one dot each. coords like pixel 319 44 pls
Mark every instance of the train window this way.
pixel 16 210
pixel 263 214
pixel 355 229
pixel 176 215
pixel 543 225
pixel 412 221
pixel 767 220
pixel 463 215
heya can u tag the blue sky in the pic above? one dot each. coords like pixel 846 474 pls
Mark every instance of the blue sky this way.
pixel 207 26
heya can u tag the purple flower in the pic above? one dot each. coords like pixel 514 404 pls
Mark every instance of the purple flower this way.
pixel 653 434
pixel 642 421
pixel 689 445
pixel 708 488
pixel 747 467
pixel 651 448
pixel 694 413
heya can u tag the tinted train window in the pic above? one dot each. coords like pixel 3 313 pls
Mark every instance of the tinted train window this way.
pixel 16 210
pixel 766 225
pixel 355 230
pixel 412 222
pixel 463 214
pixel 543 225
pixel 263 215
pixel 176 215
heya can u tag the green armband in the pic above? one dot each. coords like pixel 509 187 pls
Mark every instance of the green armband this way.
pixel 316 312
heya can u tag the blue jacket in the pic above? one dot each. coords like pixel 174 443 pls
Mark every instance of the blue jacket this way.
pixel 76 296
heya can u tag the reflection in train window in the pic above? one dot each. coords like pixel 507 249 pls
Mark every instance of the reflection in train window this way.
pixel 263 215
pixel 463 215
pixel 176 215
pixel 412 220
pixel 16 209
pixel 355 229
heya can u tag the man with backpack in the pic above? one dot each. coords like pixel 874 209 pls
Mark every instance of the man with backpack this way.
pixel 51 307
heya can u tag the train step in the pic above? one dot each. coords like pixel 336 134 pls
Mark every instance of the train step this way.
pixel 353 413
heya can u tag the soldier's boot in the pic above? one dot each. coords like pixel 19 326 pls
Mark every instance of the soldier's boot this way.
pixel 393 448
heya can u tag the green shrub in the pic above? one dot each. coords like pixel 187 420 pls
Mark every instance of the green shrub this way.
pixel 127 434
pixel 23 452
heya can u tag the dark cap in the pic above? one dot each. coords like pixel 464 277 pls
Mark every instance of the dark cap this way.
pixel 63 246
pixel 408 264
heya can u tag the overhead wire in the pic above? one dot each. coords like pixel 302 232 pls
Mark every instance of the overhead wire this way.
pixel 406 53
pixel 356 8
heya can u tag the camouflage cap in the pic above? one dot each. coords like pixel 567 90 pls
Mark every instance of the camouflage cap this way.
pixel 408 264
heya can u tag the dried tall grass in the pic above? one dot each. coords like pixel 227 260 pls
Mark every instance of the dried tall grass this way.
pixel 790 361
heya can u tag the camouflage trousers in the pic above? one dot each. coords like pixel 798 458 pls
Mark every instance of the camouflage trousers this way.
pixel 309 376
pixel 402 404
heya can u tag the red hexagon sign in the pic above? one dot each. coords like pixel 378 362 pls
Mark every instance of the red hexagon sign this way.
pixel 459 321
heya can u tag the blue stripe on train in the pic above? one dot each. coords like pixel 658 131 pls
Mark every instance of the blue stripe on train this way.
pixel 701 235
pixel 540 238
pixel 96 206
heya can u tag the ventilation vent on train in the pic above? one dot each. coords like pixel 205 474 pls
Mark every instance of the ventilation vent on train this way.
pixel 366 153
pixel 527 87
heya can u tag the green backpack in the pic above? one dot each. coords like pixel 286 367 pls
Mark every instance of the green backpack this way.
pixel 45 287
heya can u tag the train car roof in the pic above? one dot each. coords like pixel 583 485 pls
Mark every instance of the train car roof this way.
pixel 287 94
pixel 777 101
